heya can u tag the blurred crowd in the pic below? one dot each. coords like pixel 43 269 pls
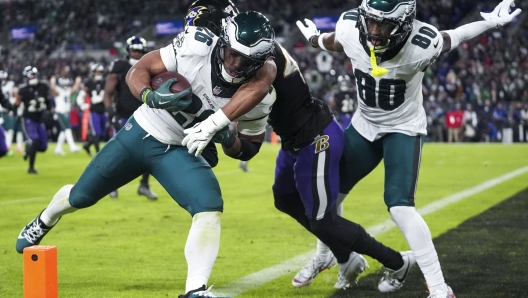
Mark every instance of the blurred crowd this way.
pixel 475 93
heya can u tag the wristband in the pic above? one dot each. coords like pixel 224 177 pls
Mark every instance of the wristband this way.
pixel 144 93
pixel 320 41
pixel 219 119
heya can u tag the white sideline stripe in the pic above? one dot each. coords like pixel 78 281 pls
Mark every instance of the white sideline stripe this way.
pixel 254 280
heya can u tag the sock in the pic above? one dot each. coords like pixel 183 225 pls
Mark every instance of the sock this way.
pixel 60 141
pixel 418 236
pixel 59 205
pixel 201 248
pixel 96 143
pixel 9 138
pixel 20 140
pixel 69 139
pixel 144 180
pixel 32 153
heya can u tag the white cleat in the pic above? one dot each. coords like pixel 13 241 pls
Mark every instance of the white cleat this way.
pixel 308 273
pixel 393 280
pixel 60 152
pixel 349 271
pixel 447 293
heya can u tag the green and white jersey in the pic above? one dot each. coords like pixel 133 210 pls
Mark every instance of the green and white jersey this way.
pixel 191 54
pixel 63 99
pixel 7 89
pixel 391 102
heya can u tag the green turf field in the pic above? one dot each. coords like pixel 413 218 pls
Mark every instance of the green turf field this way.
pixel 133 247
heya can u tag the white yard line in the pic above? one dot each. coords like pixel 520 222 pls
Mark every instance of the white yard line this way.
pixel 254 280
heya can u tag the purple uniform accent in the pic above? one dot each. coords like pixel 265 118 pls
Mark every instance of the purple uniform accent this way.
pixel 98 124
pixel 3 145
pixel 36 131
pixel 312 171
pixel 345 120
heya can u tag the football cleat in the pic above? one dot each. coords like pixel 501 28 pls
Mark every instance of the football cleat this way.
pixel 393 280
pixel 113 194
pixel 201 292
pixel 86 148
pixel 448 293
pixel 33 171
pixel 244 166
pixel 349 271
pixel 60 152
pixel 145 191
pixel 75 149
pixel 308 273
pixel 32 234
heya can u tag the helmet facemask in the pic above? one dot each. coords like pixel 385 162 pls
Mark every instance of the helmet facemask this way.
pixel 383 30
pixel 31 74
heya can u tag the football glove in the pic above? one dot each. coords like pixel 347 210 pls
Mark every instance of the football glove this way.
pixel 164 99
pixel 198 136
pixel 309 30
pixel 501 14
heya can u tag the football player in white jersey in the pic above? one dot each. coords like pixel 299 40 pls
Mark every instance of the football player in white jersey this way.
pixel 62 91
pixel 390 50
pixel 220 70
pixel 8 116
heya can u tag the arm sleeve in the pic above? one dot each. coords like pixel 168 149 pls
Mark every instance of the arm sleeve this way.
pixel 468 31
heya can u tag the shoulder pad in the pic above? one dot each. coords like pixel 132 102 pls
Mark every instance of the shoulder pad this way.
pixel 117 66
pixel 351 15
pixel 198 41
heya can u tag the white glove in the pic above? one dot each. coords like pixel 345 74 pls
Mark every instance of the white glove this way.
pixel 198 136
pixel 501 14
pixel 309 30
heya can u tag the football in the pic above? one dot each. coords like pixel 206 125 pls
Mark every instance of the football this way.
pixel 180 85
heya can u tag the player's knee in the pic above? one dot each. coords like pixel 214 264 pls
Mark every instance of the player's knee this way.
pixel 290 204
pixel 323 225
pixel 209 220
pixel 81 197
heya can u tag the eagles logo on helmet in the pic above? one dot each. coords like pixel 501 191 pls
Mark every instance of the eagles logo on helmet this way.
pixel 209 14
pixel 249 38
pixel 384 24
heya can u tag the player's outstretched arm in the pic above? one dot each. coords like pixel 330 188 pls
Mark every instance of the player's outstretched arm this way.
pixel 244 147
pixel 325 41
pixel 500 16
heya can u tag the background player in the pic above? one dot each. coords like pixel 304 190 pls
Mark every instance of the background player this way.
pixel 35 95
pixel 90 100
pixel 117 96
pixel 390 51
pixel 62 91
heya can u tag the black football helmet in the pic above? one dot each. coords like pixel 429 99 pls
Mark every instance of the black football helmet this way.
pixel 31 75
pixel 250 36
pixel 209 14
pixel 136 43
pixel 96 71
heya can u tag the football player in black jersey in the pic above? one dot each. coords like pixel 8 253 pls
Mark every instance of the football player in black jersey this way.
pixel 90 100
pixel 306 183
pixel 117 96
pixel 35 95
pixel 4 102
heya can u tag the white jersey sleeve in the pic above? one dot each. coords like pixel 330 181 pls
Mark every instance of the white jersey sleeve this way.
pixel 187 43
pixel 391 103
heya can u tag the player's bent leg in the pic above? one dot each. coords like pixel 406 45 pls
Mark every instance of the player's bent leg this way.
pixel 35 230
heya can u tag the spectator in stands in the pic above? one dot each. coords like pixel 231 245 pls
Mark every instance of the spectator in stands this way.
pixel 470 124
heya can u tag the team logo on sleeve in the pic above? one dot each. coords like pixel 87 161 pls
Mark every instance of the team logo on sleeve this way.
pixel 321 143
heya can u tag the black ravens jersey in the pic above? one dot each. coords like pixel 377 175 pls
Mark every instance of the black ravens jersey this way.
pixel 96 91
pixel 296 116
pixel 125 102
pixel 35 99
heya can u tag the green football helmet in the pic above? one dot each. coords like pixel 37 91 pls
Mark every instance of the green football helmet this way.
pixel 249 37
pixel 396 16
